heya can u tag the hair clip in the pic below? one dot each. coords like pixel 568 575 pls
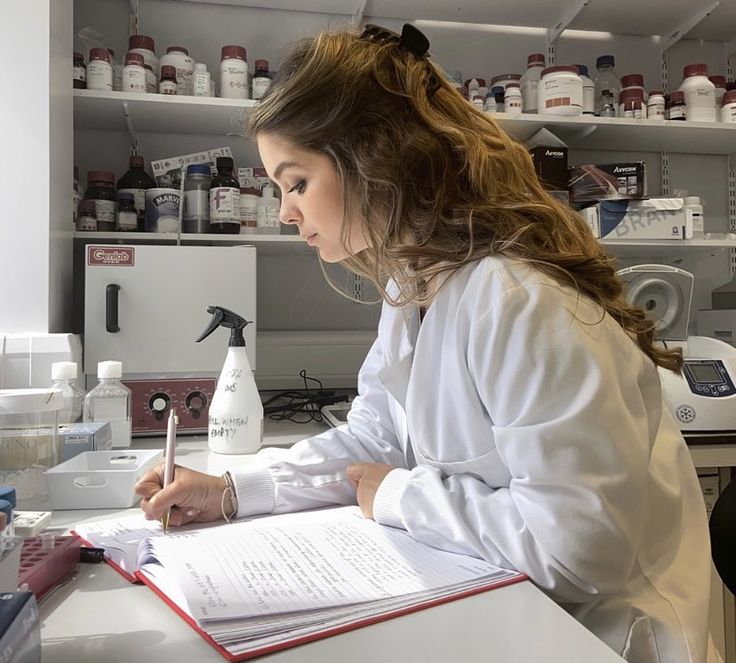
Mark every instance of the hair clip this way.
pixel 411 38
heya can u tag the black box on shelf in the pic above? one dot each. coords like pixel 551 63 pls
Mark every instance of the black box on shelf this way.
pixel 551 166
pixel 590 182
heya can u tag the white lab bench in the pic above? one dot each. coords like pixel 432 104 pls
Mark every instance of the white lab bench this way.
pixel 100 616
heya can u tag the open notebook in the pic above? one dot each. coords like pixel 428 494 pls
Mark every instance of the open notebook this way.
pixel 257 586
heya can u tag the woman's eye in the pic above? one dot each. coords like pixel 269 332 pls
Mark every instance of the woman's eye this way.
pixel 298 187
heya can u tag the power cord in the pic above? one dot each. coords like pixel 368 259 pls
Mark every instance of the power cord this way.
pixel 301 407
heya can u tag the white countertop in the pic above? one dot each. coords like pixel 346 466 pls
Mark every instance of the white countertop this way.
pixel 99 616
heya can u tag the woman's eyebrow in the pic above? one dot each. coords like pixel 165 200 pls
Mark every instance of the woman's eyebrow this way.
pixel 283 166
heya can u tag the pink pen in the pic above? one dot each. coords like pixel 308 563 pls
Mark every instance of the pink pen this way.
pixel 169 468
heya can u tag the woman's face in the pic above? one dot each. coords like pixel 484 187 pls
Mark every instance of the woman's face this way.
pixel 311 197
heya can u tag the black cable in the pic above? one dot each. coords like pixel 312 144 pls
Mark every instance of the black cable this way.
pixel 301 407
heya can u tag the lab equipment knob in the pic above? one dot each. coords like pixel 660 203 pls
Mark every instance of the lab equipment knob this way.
pixel 159 403
pixel 196 401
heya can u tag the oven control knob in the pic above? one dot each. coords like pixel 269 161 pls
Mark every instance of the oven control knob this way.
pixel 196 401
pixel 159 402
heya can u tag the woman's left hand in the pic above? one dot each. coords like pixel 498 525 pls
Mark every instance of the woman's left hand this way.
pixel 366 478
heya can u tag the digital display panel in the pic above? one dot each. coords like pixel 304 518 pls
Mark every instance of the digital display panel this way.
pixel 705 373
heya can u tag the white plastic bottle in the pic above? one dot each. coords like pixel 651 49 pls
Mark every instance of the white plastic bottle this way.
pixel 134 73
pixel 700 94
pixel 234 73
pixel 268 212
pixel 110 401
pixel 606 81
pixel 512 99
pixel 693 203
pixel 588 90
pixel 235 423
pixel 178 57
pixel 99 70
pixel 201 80
pixel 63 378
pixel 530 82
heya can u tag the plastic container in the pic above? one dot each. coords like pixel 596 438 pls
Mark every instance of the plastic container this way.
pixel 720 83
pixel 678 108
pixel 167 83
pixel 64 378
pixel 134 73
pixel 29 439
pixel 489 105
pixel 607 84
pixel 201 80
pixel 728 109
pixel 250 199
pixel 561 91
pixel 86 216
pixel 178 57
pixel 629 100
pixel 127 213
pixel 196 217
pixel 101 189
pixel 530 82
pixel 700 94
pixel 100 479
pixel 655 105
pixel 146 47
pixel 99 70
pixel 110 401
pixel 162 210
pixel 634 82
pixel 588 90
pixel 512 102
pixel 234 73
pixel 268 212
pixel 693 203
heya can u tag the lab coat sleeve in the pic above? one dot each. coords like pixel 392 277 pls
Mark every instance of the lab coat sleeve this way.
pixel 312 474
pixel 570 423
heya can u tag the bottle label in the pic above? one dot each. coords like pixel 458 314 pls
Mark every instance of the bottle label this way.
pixel 86 223
pixel 134 79
pixel 99 75
pixel 561 91
pixel 677 112
pixel 225 205
pixel 201 85
pixel 167 87
pixel 105 211
pixel 140 200
pixel 728 113
pixel 196 204
pixel 260 86
pixel 127 221
pixel 80 73
pixel 234 79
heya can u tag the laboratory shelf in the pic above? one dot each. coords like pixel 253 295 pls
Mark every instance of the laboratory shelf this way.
pixel 617 133
pixel 95 109
pixel 208 115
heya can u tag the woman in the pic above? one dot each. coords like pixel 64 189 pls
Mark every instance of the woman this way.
pixel 510 407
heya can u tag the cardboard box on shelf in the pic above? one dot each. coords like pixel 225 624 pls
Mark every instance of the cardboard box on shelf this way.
pixel 654 218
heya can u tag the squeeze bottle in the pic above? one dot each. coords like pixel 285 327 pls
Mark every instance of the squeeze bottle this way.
pixel 236 413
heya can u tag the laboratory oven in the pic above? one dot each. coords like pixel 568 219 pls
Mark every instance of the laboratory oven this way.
pixel 147 305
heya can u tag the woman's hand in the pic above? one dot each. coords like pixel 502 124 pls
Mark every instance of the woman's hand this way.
pixel 192 496
pixel 366 478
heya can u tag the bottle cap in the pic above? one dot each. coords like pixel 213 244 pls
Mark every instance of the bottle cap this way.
pixel 101 177
pixel 560 68
pixel 496 89
pixel 630 80
pixel 233 52
pixel 177 49
pixel 729 97
pixel 513 85
pixel 605 60
pixel 582 69
pixel 78 56
pixel 267 191
pixel 134 58
pixel 653 92
pixel 535 58
pixel 141 41
pixel 109 369
pixel 480 81
pixel 262 64
pixel 167 71
pixel 692 200
pixel 99 54
pixel 504 77
pixel 695 70
pixel 223 163
pixel 200 66
pixel 136 161
pixel 677 96
pixel 632 94
pixel 64 370
pixel 718 80
pixel 199 169
pixel 7 493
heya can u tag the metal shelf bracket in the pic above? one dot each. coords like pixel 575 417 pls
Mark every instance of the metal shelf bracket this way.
pixel 668 41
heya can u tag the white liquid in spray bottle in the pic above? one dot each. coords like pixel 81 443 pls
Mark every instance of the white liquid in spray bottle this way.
pixel 236 412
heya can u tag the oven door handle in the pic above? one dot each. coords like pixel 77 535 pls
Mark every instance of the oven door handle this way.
pixel 111 308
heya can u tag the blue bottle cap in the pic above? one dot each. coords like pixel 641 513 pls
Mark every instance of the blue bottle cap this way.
pixel 497 88
pixel 582 69
pixel 7 510
pixel 199 169
pixel 8 493
pixel 126 197
pixel 605 60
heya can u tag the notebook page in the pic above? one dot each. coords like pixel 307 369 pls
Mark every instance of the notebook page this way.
pixel 309 561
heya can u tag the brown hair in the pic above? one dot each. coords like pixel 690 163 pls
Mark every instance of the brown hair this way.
pixel 438 182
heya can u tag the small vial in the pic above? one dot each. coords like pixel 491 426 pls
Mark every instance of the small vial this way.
pixel 678 110
pixel 134 73
pixel 268 212
pixel 512 99
pixel 655 105
pixel 127 214
pixel 261 79
pixel 167 84
pixel 201 80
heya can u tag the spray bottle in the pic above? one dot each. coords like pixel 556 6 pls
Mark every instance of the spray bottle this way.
pixel 236 411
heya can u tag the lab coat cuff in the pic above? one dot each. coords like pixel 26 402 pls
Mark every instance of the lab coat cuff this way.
pixel 254 490
pixel 386 501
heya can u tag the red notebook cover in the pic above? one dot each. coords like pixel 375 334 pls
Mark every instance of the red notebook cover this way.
pixel 326 632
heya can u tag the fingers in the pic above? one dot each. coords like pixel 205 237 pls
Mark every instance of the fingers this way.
pixel 150 483
pixel 182 516
pixel 355 472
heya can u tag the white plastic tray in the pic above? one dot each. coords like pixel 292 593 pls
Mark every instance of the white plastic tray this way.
pixel 99 479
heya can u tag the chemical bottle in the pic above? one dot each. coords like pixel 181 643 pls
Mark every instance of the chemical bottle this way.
pixel 606 83
pixel 137 181
pixel 261 79
pixel 236 412
pixel 110 401
pixel 63 377
pixel 225 199
pixel 693 203
pixel 530 82
pixel 268 212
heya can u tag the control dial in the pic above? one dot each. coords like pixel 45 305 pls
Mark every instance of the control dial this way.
pixel 196 401
pixel 158 404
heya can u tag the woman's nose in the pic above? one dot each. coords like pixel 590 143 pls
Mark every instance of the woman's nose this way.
pixel 289 214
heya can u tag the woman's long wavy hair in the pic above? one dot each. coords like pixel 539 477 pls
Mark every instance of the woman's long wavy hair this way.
pixel 437 182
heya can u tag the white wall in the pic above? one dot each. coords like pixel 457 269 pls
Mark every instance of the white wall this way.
pixel 36 175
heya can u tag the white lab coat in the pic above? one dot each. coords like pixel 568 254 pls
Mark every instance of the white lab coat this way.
pixel 529 431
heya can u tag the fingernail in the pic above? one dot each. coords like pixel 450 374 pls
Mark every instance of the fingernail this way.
pixel 191 513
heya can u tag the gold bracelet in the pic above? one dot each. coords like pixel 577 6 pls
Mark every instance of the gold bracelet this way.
pixel 229 489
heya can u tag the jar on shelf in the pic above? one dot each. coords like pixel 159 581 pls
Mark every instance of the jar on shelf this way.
pixel 86 216
pixel 234 73
pixel 101 190
pixel 700 94
pixel 167 83
pixel 80 72
pixel 127 214
pixel 655 105
pixel 530 82
pixel 145 45
pixel 728 109
pixel 134 74
pixel 634 82
pixel 720 83
pixel 261 79
pixel 196 217
pixel 512 102
pixel 588 90
pixel 178 57
pixel 561 91
pixel 201 80
pixel 99 71
pixel 678 108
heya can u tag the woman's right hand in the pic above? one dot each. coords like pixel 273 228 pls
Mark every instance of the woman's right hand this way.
pixel 192 496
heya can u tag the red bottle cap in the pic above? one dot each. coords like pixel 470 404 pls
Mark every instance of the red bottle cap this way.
pixel 535 58
pixel 513 85
pixel 87 208
pixel 177 49
pixel 632 94
pixel 134 58
pixel 504 77
pixel 560 67
pixel 262 64
pixel 99 54
pixel 136 161
pixel 717 80
pixel 233 52
pixel 141 41
pixel 78 56
pixel 677 96
pixel 167 71
pixel 729 97
pixel 651 92
pixel 100 177
pixel 631 80
pixel 695 70
pixel 481 82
